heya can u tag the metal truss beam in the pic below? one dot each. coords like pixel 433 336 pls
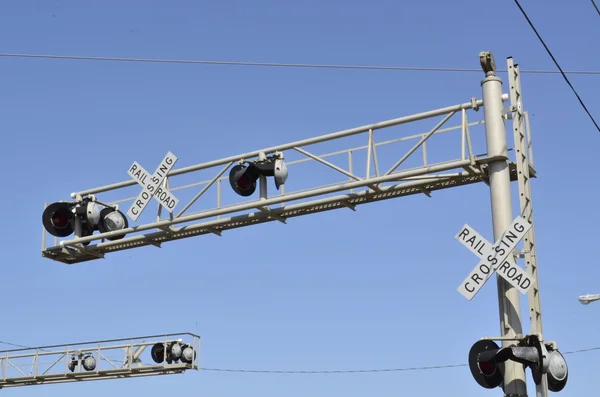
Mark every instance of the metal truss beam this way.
pixel 453 171
pixel 71 362
pixel 524 164
pixel 311 141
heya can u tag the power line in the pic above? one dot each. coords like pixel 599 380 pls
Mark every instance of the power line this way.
pixel 557 65
pixel 275 64
pixel 349 371
pixel 341 371
pixel 596 7
pixel 426 368
pixel 16 345
pixel 582 350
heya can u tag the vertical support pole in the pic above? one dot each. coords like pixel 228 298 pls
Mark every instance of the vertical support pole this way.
pixel 263 179
pixel 36 363
pixel 509 301
pixel 374 147
pixel 159 211
pixel 529 147
pixel 522 142
pixel 130 354
pixel 66 360
pixel 219 196
pixel 369 152
pixel 77 228
pixel 198 355
pixel 166 187
pixel 350 167
pixel 463 133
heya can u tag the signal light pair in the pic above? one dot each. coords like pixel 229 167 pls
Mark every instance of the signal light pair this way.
pixel 87 360
pixel 59 219
pixel 175 351
pixel 243 177
pixel 486 362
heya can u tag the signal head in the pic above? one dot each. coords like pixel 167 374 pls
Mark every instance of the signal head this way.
pixel 89 214
pixel 158 353
pixel 89 363
pixel 188 355
pixel 57 219
pixel 280 173
pixel 487 372
pixel 110 220
pixel 558 372
pixel 243 179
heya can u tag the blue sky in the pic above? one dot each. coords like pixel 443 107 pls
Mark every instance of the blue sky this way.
pixel 375 288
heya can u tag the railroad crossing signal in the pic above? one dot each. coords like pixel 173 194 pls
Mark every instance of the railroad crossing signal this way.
pixel 151 186
pixel 243 177
pixel 496 257
pixel 63 218
pixel 100 360
pixel 486 362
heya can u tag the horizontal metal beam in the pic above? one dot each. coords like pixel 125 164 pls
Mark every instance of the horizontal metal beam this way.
pixel 276 200
pixel 172 369
pixel 46 347
pixel 84 361
pixel 304 142
pixel 410 187
pixel 326 155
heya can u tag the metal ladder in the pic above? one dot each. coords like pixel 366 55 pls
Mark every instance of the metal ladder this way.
pixel 525 170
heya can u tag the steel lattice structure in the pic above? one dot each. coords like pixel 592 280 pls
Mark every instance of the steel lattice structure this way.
pixel 464 161
pixel 464 168
pixel 67 363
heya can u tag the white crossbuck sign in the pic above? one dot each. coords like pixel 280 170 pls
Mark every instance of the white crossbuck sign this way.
pixel 497 257
pixel 151 186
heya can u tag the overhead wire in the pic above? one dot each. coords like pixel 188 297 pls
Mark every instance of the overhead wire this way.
pixel 277 64
pixel 557 65
pixel 425 368
pixel 340 371
pixel 596 7
pixel 15 345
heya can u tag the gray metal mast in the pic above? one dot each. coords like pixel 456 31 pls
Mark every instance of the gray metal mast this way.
pixel 499 180
pixel 525 170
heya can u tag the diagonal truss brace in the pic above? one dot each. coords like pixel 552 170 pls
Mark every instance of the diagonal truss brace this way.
pixel 422 179
pixel 65 361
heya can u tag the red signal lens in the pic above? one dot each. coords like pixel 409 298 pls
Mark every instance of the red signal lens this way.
pixel 244 182
pixel 60 219
pixel 487 367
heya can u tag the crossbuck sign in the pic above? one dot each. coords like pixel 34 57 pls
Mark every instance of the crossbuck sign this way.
pixel 151 186
pixel 497 257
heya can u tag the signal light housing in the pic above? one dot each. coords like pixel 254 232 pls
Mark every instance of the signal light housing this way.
pixel 486 362
pixel 558 372
pixel 158 353
pixel 243 177
pixel 487 372
pixel 60 218
pixel 175 351
pixel 57 219
pixel 87 361
pixel 110 220
pixel 188 355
